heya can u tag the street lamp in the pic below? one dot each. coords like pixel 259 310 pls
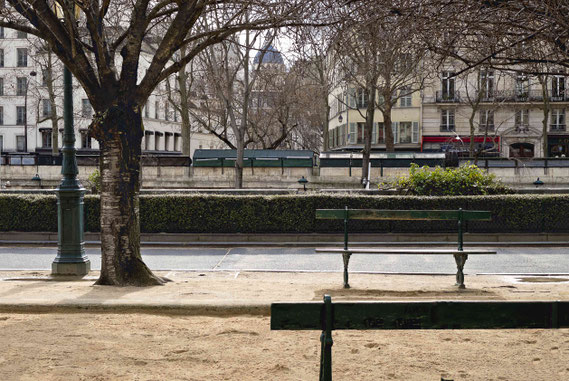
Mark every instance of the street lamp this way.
pixel 71 258
pixel 32 74
pixel 303 182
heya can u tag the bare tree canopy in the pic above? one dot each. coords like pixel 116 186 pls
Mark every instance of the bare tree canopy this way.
pixel 119 51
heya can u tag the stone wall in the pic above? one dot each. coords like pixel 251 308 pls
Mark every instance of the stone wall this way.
pixel 205 177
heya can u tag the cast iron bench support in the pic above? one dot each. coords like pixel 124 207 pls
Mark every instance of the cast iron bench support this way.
pixel 460 255
pixel 326 317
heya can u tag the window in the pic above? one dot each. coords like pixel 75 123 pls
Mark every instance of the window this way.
pixel 2 32
pixel 448 85
pixel 177 142
pixel 86 109
pixel 175 115
pixel 447 120
pixel 522 120
pixel 45 77
pixel 46 107
pixel 85 139
pixel 156 109
pixel 1 86
pixel 20 143
pixel 166 141
pixel 1 57
pixel 522 86
pixel 166 110
pixel 361 98
pixel 405 97
pixel 486 120
pixel 22 57
pixel 557 87
pixel 21 34
pixel 20 115
pixel 146 110
pixel 486 84
pixel 157 141
pixel 558 120
pixel 21 86
pixel 378 134
pixel 1 115
pixel 46 138
pixel 1 143
pixel 405 132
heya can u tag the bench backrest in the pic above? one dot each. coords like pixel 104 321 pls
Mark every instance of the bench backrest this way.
pixel 378 214
pixel 412 315
pixel 421 315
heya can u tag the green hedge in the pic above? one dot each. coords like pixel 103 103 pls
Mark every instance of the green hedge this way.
pixel 295 213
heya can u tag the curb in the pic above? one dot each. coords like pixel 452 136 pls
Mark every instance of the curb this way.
pixel 154 309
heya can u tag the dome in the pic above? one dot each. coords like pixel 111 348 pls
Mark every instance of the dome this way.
pixel 269 55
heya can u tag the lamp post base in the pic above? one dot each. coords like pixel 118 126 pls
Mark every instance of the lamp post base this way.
pixel 79 268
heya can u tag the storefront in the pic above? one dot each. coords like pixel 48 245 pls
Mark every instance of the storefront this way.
pixel 558 145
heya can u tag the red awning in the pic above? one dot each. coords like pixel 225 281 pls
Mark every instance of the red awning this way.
pixel 465 139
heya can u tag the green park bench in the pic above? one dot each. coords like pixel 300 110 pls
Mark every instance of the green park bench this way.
pixel 365 315
pixel 460 254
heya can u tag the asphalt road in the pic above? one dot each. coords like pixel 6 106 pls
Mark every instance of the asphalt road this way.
pixel 510 260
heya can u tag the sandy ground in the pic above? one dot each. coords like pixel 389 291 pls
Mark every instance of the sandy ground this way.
pixel 154 347
pixel 131 346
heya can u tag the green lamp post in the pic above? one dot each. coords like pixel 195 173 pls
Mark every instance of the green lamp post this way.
pixel 71 258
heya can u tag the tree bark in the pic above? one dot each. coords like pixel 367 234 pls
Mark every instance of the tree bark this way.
pixel 389 142
pixel 119 131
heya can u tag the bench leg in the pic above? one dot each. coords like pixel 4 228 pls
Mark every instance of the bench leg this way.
pixel 346 257
pixel 460 260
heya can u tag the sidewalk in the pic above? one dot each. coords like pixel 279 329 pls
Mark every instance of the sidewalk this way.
pixel 226 293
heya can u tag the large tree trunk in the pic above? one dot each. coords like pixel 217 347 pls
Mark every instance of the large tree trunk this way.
pixel 120 136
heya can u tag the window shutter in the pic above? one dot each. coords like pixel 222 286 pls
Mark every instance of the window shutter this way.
pixel 415 136
pixel 395 128
pixel 374 133
pixel 353 133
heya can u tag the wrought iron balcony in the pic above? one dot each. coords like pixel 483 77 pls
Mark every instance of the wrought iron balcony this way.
pixel 446 97
pixel 557 127
pixel 447 127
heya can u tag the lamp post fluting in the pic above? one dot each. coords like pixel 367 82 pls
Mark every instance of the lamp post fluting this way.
pixel 71 258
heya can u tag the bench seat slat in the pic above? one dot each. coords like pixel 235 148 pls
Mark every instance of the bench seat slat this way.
pixel 404 251
pixel 423 315
pixel 377 214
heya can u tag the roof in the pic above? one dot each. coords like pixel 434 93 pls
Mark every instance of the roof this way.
pixel 253 153
pixel 269 55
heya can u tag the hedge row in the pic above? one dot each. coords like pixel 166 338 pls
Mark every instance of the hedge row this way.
pixel 295 213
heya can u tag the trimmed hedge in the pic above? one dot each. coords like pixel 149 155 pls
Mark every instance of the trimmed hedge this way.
pixel 295 213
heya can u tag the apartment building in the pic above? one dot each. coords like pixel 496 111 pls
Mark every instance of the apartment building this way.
pixel 347 120
pixel 503 111
pixel 25 107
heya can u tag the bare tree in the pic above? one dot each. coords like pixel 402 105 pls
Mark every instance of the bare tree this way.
pixel 380 58
pixel 312 45
pixel 102 47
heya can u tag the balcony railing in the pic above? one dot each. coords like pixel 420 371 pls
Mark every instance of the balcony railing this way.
pixel 453 97
pixel 447 127
pixel 500 96
pixel 557 127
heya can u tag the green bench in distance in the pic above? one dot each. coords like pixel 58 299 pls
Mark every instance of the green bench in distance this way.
pixel 326 316
pixel 460 254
